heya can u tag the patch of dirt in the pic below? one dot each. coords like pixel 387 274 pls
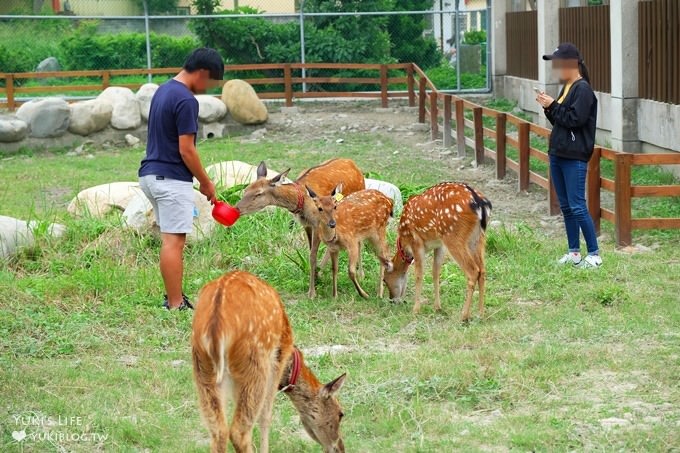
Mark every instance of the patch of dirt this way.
pixel 334 122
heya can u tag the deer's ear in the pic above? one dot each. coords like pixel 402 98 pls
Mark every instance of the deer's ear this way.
pixel 337 190
pixel 262 170
pixel 389 267
pixel 332 387
pixel 278 179
pixel 310 192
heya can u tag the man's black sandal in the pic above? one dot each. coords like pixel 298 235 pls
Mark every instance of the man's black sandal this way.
pixel 183 306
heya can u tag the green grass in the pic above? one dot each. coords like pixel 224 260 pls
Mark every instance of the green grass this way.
pixel 559 352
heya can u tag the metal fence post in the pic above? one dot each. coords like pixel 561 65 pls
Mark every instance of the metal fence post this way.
pixel 302 44
pixel 148 39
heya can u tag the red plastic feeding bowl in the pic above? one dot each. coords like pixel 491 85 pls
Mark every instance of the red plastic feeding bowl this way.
pixel 225 214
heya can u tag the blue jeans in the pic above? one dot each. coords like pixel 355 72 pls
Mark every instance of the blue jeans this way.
pixel 569 179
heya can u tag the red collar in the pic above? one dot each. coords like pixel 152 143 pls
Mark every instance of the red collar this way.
pixel 294 372
pixel 400 251
pixel 300 199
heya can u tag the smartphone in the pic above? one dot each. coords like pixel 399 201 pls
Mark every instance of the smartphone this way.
pixel 538 90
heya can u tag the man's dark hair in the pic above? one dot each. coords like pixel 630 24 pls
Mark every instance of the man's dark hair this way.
pixel 208 59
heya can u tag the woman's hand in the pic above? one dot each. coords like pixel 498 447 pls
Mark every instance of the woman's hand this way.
pixel 545 100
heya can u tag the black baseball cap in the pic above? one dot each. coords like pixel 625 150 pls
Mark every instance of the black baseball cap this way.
pixel 565 51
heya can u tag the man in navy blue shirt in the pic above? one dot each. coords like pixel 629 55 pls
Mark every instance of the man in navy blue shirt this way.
pixel 166 173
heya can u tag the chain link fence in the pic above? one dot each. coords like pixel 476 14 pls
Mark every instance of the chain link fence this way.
pixel 448 39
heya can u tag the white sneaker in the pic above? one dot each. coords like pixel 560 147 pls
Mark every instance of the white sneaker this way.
pixel 573 258
pixel 591 261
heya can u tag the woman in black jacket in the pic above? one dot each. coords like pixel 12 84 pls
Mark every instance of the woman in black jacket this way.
pixel 573 116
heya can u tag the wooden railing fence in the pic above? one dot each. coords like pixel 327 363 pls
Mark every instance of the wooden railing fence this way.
pixel 460 119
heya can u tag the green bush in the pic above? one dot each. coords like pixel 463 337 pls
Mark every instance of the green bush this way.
pixel 474 37
pixel 444 77
pixel 15 59
pixel 87 50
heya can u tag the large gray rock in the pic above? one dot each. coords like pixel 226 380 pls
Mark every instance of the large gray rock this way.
pixel 389 190
pixel 210 109
pixel 90 116
pixel 12 130
pixel 243 104
pixel 47 117
pixel 231 173
pixel 16 234
pixel 49 64
pixel 126 113
pixel 98 201
pixel 144 95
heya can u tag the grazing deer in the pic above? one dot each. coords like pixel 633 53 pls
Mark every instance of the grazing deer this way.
pixel 343 223
pixel 292 196
pixel 242 349
pixel 448 216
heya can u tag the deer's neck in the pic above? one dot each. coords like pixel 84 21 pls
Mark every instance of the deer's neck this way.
pixel 288 197
pixel 306 388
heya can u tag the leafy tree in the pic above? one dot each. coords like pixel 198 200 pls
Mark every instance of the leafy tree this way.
pixel 406 35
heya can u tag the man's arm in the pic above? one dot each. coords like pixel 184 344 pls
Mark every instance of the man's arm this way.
pixel 192 160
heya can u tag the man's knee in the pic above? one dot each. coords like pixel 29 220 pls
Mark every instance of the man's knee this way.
pixel 172 240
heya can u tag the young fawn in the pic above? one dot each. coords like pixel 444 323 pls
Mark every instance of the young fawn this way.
pixel 343 223
pixel 242 349
pixel 293 196
pixel 448 216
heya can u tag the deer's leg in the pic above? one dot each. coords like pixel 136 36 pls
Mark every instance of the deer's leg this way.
pixel 379 244
pixel 419 256
pixel 467 263
pixel 313 252
pixel 481 247
pixel 211 400
pixel 309 232
pixel 334 263
pixel 439 255
pixel 268 407
pixel 353 257
pixel 360 264
pixel 249 401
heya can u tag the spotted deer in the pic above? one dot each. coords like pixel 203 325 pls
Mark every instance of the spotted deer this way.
pixel 344 222
pixel 448 216
pixel 293 196
pixel 243 350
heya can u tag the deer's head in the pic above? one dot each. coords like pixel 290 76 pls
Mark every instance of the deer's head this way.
pixel 262 192
pixel 325 211
pixel 396 275
pixel 321 415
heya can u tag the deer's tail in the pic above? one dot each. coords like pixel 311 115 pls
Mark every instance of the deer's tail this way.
pixel 481 205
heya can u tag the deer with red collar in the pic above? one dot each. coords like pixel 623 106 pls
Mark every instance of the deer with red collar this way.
pixel 448 216
pixel 342 223
pixel 293 196
pixel 243 350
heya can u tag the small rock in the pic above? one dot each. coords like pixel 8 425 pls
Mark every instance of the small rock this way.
pixel 396 152
pixel 90 156
pixel 495 223
pixel 340 141
pixel 462 167
pixel 343 128
pixel 258 134
pixel 614 422
pixel 128 360
pixel 375 128
pixel 342 115
pixel 291 111
pixel 445 153
pixel 131 140
pixel 419 127
pixel 178 363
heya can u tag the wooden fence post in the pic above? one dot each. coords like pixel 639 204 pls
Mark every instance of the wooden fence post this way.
pixel 460 127
pixel 410 86
pixel 434 120
pixel 9 90
pixel 106 79
pixel 523 138
pixel 593 188
pixel 622 199
pixel 421 99
pixel 383 86
pixel 479 135
pixel 447 139
pixel 288 85
pixel 500 146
